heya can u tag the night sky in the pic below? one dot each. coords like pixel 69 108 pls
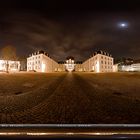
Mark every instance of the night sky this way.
pixel 71 28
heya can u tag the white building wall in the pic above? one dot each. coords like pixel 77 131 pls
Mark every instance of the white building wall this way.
pixel 61 67
pixel 86 65
pixel 99 63
pixel 13 66
pixel 105 63
pixel 35 62
pixel 78 67
pixel 133 67
pixel 41 63
pixel 115 68
pixel 70 65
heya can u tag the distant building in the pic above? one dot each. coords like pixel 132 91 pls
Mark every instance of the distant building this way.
pixel 41 62
pixel 132 67
pixel 70 63
pixel 11 65
pixel 61 66
pixel 78 66
pixel 100 61
pixel 135 67
pixel 129 65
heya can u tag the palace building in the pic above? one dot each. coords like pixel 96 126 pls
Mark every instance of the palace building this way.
pixel 40 61
pixel 100 61
pixel 70 64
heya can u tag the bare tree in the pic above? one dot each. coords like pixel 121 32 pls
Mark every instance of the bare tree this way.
pixel 8 53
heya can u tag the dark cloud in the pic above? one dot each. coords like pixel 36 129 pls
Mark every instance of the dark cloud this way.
pixel 70 32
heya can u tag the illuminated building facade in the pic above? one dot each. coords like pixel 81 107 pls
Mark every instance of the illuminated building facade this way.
pixel 78 66
pixel 132 67
pixel 61 66
pixel 41 62
pixel 100 61
pixel 70 64
pixel 9 65
pixel 115 68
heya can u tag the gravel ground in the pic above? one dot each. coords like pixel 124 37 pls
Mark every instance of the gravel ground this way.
pixel 70 98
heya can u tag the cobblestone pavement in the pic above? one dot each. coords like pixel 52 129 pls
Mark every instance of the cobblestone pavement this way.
pixel 70 98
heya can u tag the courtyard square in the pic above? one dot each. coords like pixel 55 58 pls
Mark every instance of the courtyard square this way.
pixel 69 98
